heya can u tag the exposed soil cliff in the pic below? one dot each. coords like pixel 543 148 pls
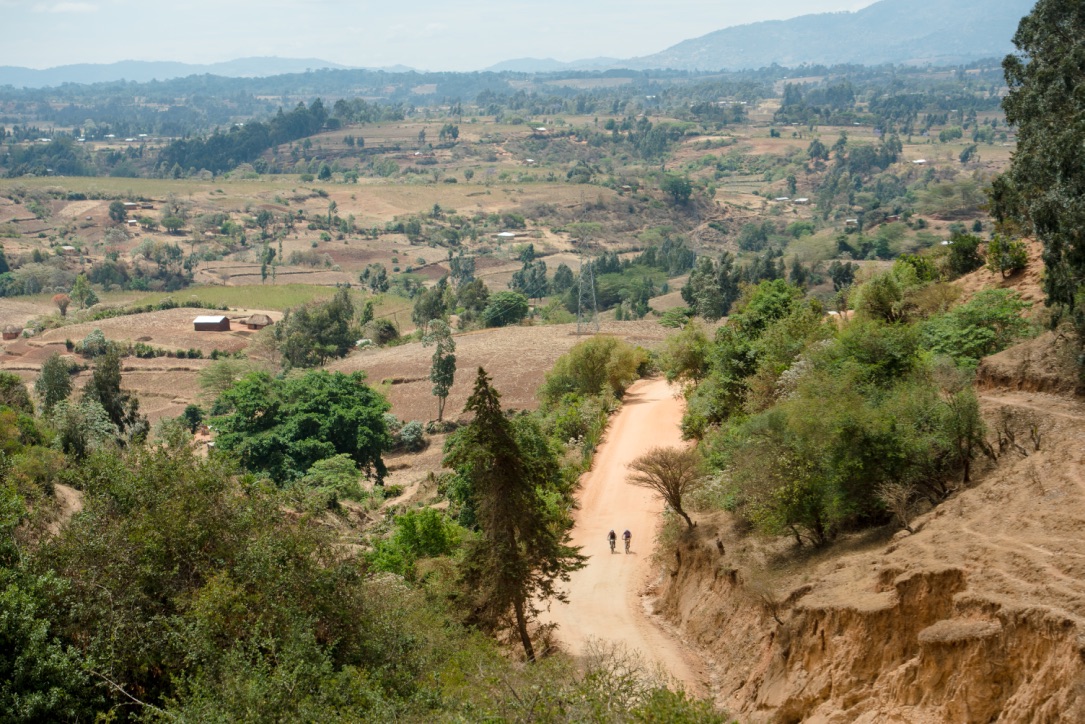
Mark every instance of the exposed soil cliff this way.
pixel 979 616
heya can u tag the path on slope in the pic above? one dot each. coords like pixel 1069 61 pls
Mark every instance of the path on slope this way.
pixel 605 597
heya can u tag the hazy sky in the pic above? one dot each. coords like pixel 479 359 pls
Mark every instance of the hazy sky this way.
pixel 425 34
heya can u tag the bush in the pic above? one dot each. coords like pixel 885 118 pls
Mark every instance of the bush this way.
pixel 94 344
pixel 505 308
pixel 1006 256
pixel 964 254
pixel 601 365
pixel 412 436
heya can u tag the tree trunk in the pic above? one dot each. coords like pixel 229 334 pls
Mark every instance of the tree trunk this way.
pixel 440 408
pixel 685 515
pixel 521 626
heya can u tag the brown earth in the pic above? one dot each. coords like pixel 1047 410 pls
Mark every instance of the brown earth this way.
pixel 979 616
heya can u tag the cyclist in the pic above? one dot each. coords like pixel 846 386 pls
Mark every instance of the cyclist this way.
pixel 627 536
pixel 612 539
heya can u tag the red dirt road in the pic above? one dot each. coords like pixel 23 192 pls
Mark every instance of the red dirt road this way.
pixel 605 597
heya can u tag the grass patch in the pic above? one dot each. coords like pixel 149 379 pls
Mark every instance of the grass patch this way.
pixel 263 296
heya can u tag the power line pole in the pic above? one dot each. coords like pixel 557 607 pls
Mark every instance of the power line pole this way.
pixel 587 311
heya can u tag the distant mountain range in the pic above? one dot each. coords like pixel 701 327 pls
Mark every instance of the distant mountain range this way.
pixel 936 32
pixel 142 71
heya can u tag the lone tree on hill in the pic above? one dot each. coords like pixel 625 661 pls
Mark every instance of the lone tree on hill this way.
pixel 522 549
pixel 443 371
pixel 54 383
pixel 671 472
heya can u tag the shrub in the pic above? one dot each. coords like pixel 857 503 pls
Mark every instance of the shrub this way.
pixel 412 436
pixel 1006 256
pixel 596 366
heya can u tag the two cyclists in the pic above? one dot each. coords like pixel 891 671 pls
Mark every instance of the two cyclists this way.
pixel 612 539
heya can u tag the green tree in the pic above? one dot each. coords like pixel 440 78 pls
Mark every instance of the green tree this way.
pixel 13 393
pixel 596 366
pixel 375 278
pixel 41 678
pixel 430 305
pixel 442 371
pixel 82 427
pixel 117 212
pixel 284 426
pixel 82 292
pixel 712 287
pixel 54 383
pixel 677 187
pixel 122 407
pixel 172 224
pixel 522 549
pixel 1006 256
pixel 311 334
pixel 964 254
pixel 1044 189
pixel 505 308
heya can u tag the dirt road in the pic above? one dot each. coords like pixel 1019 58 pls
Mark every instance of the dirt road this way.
pixel 605 597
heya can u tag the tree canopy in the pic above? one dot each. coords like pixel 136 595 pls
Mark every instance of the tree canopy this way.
pixel 1044 189
pixel 523 549
pixel 283 426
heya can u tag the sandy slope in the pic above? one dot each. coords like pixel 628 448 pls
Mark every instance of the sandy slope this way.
pixel 605 598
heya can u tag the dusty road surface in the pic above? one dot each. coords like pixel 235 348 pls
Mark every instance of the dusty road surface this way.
pixel 605 597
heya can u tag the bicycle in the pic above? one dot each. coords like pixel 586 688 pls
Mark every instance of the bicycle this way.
pixel 612 539
pixel 627 537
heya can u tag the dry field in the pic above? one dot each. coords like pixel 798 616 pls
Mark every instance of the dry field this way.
pixel 170 329
pixel 517 358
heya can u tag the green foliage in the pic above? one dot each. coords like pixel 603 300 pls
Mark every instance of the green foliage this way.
pixel 677 187
pixel 424 533
pixel 336 476
pixel 443 368
pixel 82 292
pixel 192 416
pixel 964 254
pixel 600 365
pixel 1044 190
pixel 685 356
pixel 54 383
pixel 509 475
pixel 505 308
pixel 13 393
pixel 987 323
pixel 313 333
pixel 94 344
pixel 282 427
pixel 712 287
pixel 810 466
pixel 82 427
pixel 1006 256
pixel 412 436
pixel 122 407
pixel 41 677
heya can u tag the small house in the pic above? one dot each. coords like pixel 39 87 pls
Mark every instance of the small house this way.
pixel 12 332
pixel 802 201
pixel 258 321
pixel 131 206
pixel 212 323
pixel 68 250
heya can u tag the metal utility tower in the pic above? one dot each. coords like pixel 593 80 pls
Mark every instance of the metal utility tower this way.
pixel 587 311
